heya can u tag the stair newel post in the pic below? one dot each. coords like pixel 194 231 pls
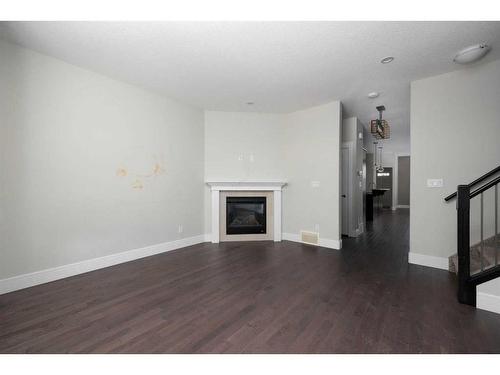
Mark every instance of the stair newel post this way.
pixel 466 290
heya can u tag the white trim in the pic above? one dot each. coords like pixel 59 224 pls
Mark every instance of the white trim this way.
pixel 215 216
pixel 323 242
pixel 44 276
pixel 277 215
pixel 428 261
pixel 351 231
pixel 246 185
pixel 217 186
pixel 403 206
pixel 331 244
pixel 291 237
pixel 488 302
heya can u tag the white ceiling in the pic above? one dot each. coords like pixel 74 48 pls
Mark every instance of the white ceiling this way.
pixel 281 66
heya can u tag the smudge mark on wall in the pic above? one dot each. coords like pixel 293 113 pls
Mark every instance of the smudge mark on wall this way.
pixel 137 184
pixel 121 172
pixel 138 178
pixel 158 169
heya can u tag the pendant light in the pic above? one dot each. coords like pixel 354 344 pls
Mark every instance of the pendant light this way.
pixel 380 167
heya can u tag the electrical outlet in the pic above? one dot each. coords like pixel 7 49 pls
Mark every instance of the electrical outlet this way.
pixel 240 157
pixel 435 182
pixel 180 228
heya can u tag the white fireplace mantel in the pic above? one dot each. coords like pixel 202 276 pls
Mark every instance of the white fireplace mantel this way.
pixel 217 186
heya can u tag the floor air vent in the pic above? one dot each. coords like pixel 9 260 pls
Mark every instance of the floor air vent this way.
pixel 309 237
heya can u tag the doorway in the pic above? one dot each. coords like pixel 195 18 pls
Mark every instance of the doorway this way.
pixel 384 181
pixel 346 188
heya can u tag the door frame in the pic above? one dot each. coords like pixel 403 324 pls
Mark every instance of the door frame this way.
pixel 351 232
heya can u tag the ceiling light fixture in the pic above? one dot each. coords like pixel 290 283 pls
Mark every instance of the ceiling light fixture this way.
pixel 387 60
pixel 472 54
pixel 380 128
pixel 373 95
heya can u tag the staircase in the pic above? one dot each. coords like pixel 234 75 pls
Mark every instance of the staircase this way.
pixel 490 256
pixel 478 263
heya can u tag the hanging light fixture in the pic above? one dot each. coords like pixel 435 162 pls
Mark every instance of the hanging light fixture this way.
pixel 375 156
pixel 380 128
pixel 380 167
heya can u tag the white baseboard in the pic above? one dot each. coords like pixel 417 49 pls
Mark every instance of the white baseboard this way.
pixel 428 261
pixel 323 242
pixel 291 237
pixel 44 276
pixel 403 206
pixel 488 302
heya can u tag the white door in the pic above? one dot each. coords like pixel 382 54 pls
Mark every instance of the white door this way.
pixel 345 189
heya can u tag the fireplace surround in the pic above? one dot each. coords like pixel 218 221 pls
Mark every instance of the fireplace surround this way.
pixel 247 202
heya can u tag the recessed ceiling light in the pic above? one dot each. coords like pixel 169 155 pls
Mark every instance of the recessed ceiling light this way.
pixel 472 54
pixel 250 103
pixel 387 60
pixel 373 95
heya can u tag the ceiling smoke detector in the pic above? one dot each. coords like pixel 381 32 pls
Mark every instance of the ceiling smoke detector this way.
pixel 472 54
pixel 387 60
pixel 373 95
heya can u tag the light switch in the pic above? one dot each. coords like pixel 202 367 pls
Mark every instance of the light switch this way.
pixel 435 182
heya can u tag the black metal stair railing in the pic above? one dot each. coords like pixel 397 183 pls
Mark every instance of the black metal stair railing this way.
pixel 475 182
pixel 467 282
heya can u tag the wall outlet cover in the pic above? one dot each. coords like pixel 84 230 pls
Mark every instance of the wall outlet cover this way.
pixel 435 182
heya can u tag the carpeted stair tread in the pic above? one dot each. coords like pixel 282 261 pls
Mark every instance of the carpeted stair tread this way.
pixel 488 253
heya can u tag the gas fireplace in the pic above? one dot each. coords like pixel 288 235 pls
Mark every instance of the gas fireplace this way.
pixel 245 215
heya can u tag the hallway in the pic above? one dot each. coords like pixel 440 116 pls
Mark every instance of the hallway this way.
pixel 255 297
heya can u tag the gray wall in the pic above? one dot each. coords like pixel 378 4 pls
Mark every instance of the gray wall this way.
pixel 370 172
pixel 455 133
pixel 351 127
pixel 312 141
pixel 403 180
pixel 299 147
pixel 72 144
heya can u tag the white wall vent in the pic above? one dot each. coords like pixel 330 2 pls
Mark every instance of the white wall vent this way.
pixel 309 237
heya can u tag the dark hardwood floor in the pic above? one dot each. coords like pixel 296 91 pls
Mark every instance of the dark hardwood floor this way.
pixel 255 297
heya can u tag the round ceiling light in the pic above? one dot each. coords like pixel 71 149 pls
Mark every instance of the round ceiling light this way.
pixel 472 54
pixel 387 60
pixel 373 95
